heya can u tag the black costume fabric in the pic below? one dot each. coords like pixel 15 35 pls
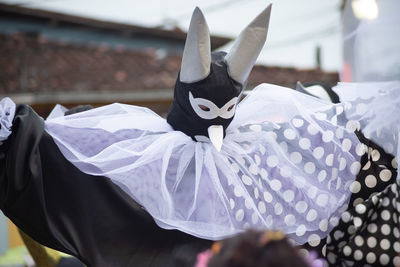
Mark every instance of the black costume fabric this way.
pixel 88 217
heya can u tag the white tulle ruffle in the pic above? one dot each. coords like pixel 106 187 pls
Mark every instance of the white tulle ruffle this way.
pixel 286 163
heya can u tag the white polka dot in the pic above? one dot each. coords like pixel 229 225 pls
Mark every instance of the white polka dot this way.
pixel 318 152
pixel 311 215
pixel 375 155
pixel 261 207
pixel 358 255
pixel 239 215
pixel 314 240
pixel 309 167
pixel 254 218
pixel 385 244
pixel 278 208
pixel 312 129
pixel 334 221
pixel 235 167
pixel 275 185
pixel 357 222
pixel 371 258
pixel 396 232
pixel 346 250
pixel 346 216
pixel 385 229
pixel 269 220
pixel 338 234
pixel 288 195
pixel 323 225
pixel 351 230
pixel 357 201
pixel 246 180
pixel 385 215
pixel 322 175
pixel 304 143
pixel 253 169
pixel 238 191
pixel 396 246
pixel 256 192
pixel 297 122
pixel 339 132
pixel 355 187
pixel 352 125
pixel 255 128
pixel 360 149
pixel 290 220
pixel 385 175
pixel 396 261
pixel 329 160
pixel 371 242
pixel 296 157
pixel 267 197
pixel 322 200
pixel 272 161
pixel 312 192
pixel 359 240
pixel 232 203
pixel 327 136
pixel 394 163
pixel 289 134
pixel 346 144
pixel 339 110
pixel 360 208
pixel 263 173
pixel 301 230
pixel 257 159
pixel 367 165
pixel 370 181
pixel 355 167
pixel 301 206
pixel 285 171
pixel 342 164
pixel 384 259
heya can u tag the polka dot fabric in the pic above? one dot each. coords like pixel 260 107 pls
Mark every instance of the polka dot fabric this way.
pixel 369 233
pixel 287 163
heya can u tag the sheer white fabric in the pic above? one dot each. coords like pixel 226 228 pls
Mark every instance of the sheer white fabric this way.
pixel 7 113
pixel 286 163
pixel 377 108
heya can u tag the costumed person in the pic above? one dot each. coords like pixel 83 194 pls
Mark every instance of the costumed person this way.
pixel 120 186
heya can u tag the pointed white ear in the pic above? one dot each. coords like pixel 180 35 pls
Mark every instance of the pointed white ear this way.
pixel 247 47
pixel 196 58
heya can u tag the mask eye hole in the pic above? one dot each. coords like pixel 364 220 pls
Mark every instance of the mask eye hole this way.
pixel 231 107
pixel 204 108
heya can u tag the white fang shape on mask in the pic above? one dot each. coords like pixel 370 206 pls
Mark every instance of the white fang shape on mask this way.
pixel 244 52
pixel 196 57
pixel 206 109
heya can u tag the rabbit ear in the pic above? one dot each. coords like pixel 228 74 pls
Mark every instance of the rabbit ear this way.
pixel 247 47
pixel 196 58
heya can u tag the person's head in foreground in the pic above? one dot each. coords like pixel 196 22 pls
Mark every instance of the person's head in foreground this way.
pixel 253 249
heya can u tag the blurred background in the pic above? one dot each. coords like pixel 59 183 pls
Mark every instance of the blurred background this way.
pixel 75 52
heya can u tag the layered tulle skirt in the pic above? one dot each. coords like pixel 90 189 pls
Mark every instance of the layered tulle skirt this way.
pixel 286 163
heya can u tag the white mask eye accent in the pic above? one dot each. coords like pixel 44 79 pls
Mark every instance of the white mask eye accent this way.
pixel 206 109
pixel 228 110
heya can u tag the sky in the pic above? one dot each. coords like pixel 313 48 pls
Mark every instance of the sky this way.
pixel 295 30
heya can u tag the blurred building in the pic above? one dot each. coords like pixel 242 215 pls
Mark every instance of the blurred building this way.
pixel 48 58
